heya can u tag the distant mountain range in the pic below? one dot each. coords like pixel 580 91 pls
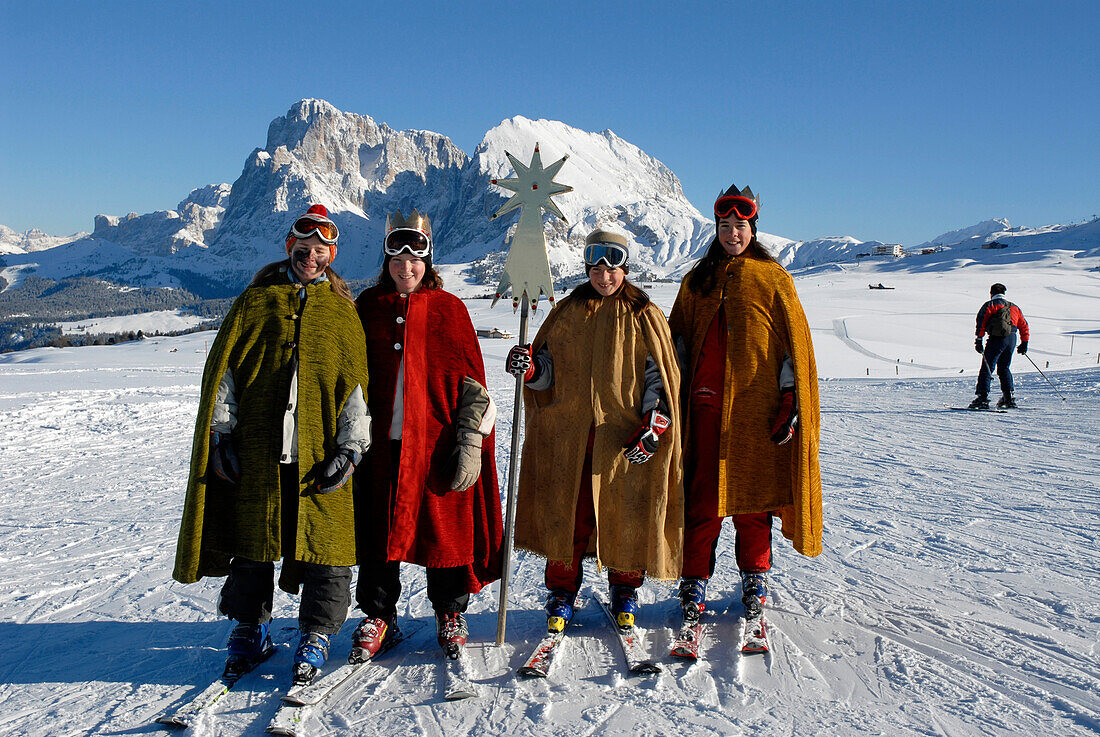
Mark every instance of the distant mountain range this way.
pixel 218 236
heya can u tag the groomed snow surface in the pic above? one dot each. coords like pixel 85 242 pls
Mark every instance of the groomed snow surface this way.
pixel 958 593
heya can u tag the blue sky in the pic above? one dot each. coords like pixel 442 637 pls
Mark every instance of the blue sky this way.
pixel 887 120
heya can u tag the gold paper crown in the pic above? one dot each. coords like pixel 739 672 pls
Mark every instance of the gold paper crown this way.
pixel 415 221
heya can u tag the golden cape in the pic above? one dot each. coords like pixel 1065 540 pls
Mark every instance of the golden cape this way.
pixel 256 342
pixel 764 321
pixel 599 377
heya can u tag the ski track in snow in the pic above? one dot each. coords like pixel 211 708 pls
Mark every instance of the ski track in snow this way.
pixel 955 596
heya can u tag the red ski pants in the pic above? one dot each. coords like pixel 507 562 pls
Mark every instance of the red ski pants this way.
pixel 568 576
pixel 702 524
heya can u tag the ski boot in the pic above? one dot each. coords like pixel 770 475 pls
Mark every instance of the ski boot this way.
pixel 754 593
pixel 248 645
pixel 451 632
pixel 624 604
pixel 371 636
pixel 1006 402
pixel 559 609
pixel 980 402
pixel 693 598
pixel 311 654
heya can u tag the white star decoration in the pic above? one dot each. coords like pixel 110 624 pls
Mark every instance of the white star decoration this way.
pixel 527 269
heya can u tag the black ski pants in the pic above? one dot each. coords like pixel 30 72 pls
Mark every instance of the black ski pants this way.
pixel 248 593
pixel 379 588
pixel 249 590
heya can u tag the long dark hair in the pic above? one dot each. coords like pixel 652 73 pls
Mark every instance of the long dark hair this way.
pixel 635 298
pixel 264 275
pixel 431 280
pixel 704 275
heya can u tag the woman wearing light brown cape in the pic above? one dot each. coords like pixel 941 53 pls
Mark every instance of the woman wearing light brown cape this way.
pixel 601 470
pixel 751 401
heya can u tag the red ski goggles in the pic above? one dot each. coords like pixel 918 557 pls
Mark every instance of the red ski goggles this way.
pixel 612 254
pixel 309 225
pixel 407 240
pixel 725 205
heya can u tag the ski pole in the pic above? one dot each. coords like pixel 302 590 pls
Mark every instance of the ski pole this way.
pixel 1045 377
pixel 517 415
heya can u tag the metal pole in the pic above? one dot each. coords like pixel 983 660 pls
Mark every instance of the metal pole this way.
pixel 1045 377
pixel 509 520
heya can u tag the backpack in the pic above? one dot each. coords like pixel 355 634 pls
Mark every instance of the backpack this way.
pixel 999 323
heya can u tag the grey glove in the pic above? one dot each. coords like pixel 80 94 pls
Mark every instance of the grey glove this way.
pixel 466 461
pixel 335 473
pixel 224 462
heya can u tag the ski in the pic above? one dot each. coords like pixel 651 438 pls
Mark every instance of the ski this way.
pixel 456 682
pixel 186 715
pixel 632 641
pixel 686 642
pixel 538 665
pixel 975 409
pixel 754 637
pixel 299 700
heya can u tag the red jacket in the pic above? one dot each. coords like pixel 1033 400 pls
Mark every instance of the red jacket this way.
pixel 995 304
pixel 417 517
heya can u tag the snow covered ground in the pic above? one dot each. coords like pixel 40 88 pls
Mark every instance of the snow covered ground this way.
pixel 958 594
pixel 161 321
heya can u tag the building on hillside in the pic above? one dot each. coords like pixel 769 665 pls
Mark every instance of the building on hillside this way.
pixel 888 250
pixel 493 333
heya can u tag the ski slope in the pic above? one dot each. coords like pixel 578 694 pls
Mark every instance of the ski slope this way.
pixel 958 594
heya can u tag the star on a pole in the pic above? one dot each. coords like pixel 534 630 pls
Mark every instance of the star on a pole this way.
pixel 527 269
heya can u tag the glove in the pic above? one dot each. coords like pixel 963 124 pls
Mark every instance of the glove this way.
pixel 978 345
pixel 519 362
pixel 333 474
pixel 786 420
pixel 223 458
pixel 643 444
pixel 1022 348
pixel 466 461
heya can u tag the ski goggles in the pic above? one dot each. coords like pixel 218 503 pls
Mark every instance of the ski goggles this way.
pixel 407 240
pixel 309 225
pixel 611 254
pixel 725 205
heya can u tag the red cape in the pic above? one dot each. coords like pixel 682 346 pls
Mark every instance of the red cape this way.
pixel 419 519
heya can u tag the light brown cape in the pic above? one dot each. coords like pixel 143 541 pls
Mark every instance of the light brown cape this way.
pixel 599 375
pixel 765 321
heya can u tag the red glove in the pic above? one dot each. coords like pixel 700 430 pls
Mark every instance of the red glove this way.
pixel 786 420
pixel 519 362
pixel 641 447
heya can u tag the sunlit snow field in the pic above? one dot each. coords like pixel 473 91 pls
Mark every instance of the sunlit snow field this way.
pixel 958 593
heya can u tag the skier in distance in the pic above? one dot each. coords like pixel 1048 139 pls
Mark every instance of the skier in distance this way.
pixel 1001 320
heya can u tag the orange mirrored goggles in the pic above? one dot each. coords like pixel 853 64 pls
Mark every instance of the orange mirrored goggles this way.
pixel 744 207
pixel 308 225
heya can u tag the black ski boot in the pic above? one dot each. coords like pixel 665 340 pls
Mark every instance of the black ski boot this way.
pixel 980 402
pixel 1006 402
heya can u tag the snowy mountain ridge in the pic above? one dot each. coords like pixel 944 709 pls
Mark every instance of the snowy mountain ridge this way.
pixel 363 170
pixel 31 241
pixel 218 235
